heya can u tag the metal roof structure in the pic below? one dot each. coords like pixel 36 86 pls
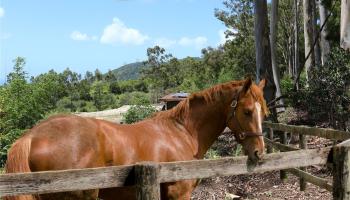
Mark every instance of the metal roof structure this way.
pixel 175 96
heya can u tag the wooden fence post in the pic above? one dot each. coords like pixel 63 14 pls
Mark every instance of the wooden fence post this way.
pixel 302 145
pixel 270 136
pixel 341 171
pixel 147 181
pixel 283 140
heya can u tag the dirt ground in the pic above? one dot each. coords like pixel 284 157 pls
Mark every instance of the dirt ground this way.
pixel 261 186
pixel 258 187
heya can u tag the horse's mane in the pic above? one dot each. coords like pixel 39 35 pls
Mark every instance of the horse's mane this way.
pixel 209 95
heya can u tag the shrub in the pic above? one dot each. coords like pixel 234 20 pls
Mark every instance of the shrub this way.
pixel 327 98
pixel 328 89
pixel 6 140
pixel 138 113
pixel 133 98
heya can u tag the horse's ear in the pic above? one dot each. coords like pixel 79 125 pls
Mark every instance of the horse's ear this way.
pixel 248 82
pixel 262 84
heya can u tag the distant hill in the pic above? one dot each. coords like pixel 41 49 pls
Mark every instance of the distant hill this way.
pixel 129 71
pixel 132 71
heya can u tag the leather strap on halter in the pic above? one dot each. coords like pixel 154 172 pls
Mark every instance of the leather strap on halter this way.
pixel 243 134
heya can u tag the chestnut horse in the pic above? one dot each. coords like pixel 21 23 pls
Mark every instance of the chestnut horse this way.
pixel 182 133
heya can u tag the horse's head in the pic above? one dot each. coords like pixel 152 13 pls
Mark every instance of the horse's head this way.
pixel 246 114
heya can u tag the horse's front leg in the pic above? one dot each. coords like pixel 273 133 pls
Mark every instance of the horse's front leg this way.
pixel 181 190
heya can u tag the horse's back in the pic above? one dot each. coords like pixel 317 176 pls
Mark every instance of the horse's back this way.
pixel 65 142
pixel 73 142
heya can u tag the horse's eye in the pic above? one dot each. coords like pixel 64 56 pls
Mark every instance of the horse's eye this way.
pixel 248 112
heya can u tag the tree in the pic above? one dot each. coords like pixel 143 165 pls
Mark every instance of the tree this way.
pixel 157 74
pixel 315 40
pixel 262 45
pixel 98 75
pixel 325 48
pixel 273 30
pixel 345 25
pixel 239 52
pixel 296 44
pixel 308 6
pixel 110 77
pixel 89 77
pixel 100 94
pixel 214 62
pixel 48 88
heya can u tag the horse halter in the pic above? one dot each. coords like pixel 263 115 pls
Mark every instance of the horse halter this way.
pixel 242 134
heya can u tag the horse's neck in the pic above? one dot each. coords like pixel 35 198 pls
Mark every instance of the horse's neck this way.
pixel 206 123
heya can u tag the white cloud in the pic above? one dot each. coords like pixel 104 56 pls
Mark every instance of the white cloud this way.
pixel 2 12
pixel 165 42
pixel 117 32
pixel 198 42
pixel 76 35
pixel 223 38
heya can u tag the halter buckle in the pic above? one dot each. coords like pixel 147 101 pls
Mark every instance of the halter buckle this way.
pixel 234 104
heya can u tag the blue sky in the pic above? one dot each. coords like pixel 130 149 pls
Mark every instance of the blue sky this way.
pixel 85 35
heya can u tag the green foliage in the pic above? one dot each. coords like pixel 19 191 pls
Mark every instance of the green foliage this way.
pixel 327 98
pixel 287 84
pixel 6 139
pixel 328 94
pixel 212 154
pixel 161 73
pixel 239 53
pixel 100 95
pixel 20 107
pixel 133 98
pixel 138 113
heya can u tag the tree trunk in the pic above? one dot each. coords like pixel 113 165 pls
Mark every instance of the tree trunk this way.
pixel 296 42
pixel 290 57
pixel 262 49
pixel 325 48
pixel 273 33
pixel 315 32
pixel 345 25
pixel 308 36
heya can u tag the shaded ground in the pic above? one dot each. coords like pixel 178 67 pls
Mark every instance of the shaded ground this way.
pixel 260 186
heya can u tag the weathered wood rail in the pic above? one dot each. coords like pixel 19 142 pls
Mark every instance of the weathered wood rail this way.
pixel 341 181
pixel 118 176
pixel 148 176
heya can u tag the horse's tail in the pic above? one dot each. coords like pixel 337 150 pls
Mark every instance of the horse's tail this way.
pixel 17 162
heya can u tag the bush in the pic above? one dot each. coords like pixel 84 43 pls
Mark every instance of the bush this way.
pixel 138 113
pixel 133 98
pixel 6 140
pixel 327 98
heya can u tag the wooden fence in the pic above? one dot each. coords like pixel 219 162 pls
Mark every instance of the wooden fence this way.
pixel 335 157
pixel 147 176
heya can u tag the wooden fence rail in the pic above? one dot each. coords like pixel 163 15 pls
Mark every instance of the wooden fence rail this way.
pixel 341 180
pixel 304 176
pixel 118 176
pixel 306 130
